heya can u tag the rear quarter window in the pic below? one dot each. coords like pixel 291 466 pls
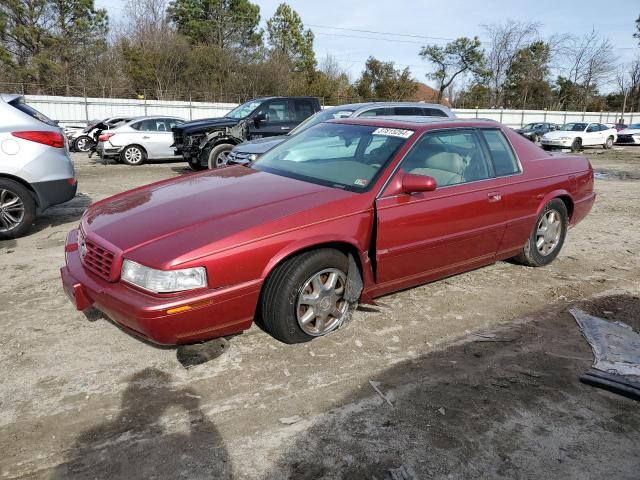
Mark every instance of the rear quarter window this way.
pixel 20 104
pixel 504 160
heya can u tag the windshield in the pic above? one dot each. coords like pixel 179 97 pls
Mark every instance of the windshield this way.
pixel 350 157
pixel 532 126
pixel 322 116
pixel 574 127
pixel 243 110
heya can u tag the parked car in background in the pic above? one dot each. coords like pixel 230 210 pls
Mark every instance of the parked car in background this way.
pixel 207 143
pixel 248 152
pixel 534 131
pixel 630 135
pixel 576 135
pixel 346 211
pixel 35 169
pixel 83 140
pixel 617 126
pixel 139 140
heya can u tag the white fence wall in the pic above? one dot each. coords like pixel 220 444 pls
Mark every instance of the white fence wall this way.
pixel 70 110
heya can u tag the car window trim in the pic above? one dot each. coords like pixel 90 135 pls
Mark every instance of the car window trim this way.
pixel 510 145
pixel 495 177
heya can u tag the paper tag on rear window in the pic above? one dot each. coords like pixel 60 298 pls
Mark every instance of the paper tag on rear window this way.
pixel 393 132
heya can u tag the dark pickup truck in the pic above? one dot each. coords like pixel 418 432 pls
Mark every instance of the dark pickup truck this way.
pixel 206 143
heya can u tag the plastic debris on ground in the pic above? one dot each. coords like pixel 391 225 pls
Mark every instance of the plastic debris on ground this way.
pixel 616 351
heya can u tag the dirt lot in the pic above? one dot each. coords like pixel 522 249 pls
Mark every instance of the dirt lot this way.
pixel 81 399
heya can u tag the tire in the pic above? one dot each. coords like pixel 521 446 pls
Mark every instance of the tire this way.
pixel 133 155
pixel 195 165
pixel 576 146
pixel 283 305
pixel 17 209
pixel 83 144
pixel 533 255
pixel 218 155
pixel 608 144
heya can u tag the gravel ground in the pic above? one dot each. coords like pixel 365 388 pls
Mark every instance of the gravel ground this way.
pixel 479 370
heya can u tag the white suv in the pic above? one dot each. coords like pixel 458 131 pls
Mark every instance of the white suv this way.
pixel 35 169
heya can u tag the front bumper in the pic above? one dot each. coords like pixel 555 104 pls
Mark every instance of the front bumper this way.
pixel 556 144
pixel 215 312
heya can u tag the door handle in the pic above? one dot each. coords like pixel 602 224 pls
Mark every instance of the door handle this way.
pixel 285 128
pixel 494 197
pixel 146 138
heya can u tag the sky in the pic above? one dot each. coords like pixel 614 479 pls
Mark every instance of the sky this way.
pixel 406 22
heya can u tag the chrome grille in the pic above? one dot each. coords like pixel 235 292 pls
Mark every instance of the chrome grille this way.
pixel 95 258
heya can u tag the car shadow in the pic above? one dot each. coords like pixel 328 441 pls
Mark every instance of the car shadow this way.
pixel 143 441
pixel 505 403
pixel 67 212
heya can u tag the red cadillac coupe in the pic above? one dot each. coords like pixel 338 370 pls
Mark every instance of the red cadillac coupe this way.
pixel 344 212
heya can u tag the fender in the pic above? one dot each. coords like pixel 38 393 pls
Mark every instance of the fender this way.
pixel 307 243
pixel 550 196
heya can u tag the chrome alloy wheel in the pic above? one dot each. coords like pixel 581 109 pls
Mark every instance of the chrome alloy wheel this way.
pixel 83 144
pixel 548 232
pixel 321 306
pixel 11 210
pixel 133 155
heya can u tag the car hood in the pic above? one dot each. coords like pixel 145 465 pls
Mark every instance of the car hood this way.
pixel 525 130
pixel 206 124
pixel 561 133
pixel 629 131
pixel 167 223
pixel 260 145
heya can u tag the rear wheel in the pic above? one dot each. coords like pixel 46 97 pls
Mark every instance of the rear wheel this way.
pixel 608 144
pixel 303 298
pixel 17 209
pixel 83 143
pixel 219 155
pixel 576 146
pixel 133 155
pixel 547 237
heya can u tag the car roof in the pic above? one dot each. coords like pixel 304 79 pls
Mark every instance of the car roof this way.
pixel 363 105
pixel 417 122
pixel 145 117
pixel 9 97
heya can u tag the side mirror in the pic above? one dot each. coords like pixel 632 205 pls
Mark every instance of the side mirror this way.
pixel 259 118
pixel 418 183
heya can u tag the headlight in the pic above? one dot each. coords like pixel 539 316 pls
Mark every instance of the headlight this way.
pixel 253 157
pixel 163 281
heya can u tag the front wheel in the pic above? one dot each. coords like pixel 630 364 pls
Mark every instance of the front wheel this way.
pixel 303 298
pixel 608 144
pixel 548 235
pixel 218 155
pixel 17 209
pixel 133 155
pixel 576 146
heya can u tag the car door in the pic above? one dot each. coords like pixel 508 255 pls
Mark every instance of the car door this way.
pixel 278 119
pixel 150 134
pixel 592 135
pixel 165 149
pixel 428 235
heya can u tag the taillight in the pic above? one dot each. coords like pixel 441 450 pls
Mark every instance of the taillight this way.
pixel 53 139
pixel 105 137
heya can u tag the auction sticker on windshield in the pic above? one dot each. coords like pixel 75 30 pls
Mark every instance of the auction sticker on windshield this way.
pixel 393 132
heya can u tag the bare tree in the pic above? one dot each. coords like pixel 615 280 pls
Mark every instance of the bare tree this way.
pixel 505 40
pixel 629 85
pixel 592 63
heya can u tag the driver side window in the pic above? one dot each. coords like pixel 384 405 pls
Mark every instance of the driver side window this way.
pixel 451 157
